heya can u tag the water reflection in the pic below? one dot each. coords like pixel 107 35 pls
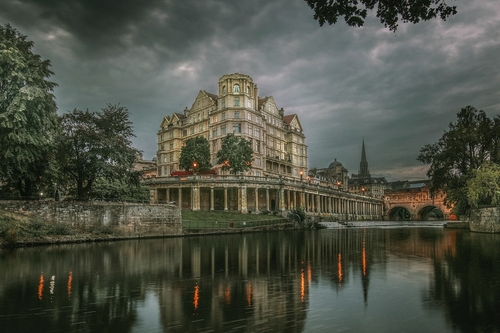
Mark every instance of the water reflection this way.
pixel 347 279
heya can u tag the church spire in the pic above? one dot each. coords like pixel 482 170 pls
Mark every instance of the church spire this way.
pixel 363 165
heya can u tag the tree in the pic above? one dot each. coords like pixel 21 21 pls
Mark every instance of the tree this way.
pixel 483 188
pixel 28 113
pixel 390 12
pixel 468 143
pixel 195 150
pixel 94 145
pixel 235 154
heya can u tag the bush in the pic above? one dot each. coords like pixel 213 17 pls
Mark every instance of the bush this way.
pixel 60 229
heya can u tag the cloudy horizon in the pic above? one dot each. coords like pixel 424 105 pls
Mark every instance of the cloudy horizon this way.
pixel 396 91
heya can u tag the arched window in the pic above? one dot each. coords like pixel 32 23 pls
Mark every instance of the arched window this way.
pixel 236 88
pixel 223 89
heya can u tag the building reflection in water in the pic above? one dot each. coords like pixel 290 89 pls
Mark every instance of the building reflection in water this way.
pixel 257 281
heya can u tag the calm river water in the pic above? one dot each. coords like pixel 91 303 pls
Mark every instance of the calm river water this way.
pixel 332 280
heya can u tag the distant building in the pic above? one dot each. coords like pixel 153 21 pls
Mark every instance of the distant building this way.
pixel 277 139
pixel 146 167
pixel 335 174
pixel 363 183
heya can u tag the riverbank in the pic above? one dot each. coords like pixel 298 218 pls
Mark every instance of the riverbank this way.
pixel 18 230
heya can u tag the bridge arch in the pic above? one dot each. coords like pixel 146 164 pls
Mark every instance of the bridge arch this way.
pixel 399 213
pixel 430 213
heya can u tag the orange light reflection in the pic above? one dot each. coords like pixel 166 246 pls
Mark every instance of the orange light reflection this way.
pixel 249 293
pixel 339 267
pixel 196 297
pixel 227 295
pixel 302 285
pixel 40 287
pixel 70 279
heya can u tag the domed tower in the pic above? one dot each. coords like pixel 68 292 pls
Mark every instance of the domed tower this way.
pixel 237 91
pixel 337 172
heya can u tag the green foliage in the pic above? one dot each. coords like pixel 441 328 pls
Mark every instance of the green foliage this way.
pixel 483 188
pixel 390 12
pixel 195 150
pixel 235 154
pixel 95 145
pixel 28 118
pixel 298 214
pixel 117 189
pixel 468 144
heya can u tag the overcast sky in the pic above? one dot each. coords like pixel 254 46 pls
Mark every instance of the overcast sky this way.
pixel 398 91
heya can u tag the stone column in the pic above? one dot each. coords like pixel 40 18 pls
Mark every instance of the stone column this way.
pixel 180 197
pixel 282 199
pixel 195 198
pixel 212 198
pixel 225 199
pixel 243 199
pixel 267 198
pixel 256 199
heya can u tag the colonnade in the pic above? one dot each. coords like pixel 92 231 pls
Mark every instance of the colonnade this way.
pixel 255 195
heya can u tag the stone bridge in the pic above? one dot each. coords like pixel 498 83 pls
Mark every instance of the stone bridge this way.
pixel 415 204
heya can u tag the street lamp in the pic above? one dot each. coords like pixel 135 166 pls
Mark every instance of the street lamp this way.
pixel 195 165
pixel 301 173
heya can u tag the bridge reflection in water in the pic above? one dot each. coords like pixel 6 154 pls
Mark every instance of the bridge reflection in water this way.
pixel 351 279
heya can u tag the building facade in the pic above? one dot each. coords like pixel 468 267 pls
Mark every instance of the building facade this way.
pixel 277 140
pixel 277 180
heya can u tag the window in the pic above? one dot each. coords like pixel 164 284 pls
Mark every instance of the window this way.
pixel 250 130
pixel 201 127
pixel 249 104
pixel 171 134
pixel 162 147
pixel 161 137
pixel 214 132
pixel 184 132
pixel 237 114
pixel 223 116
pixel 257 133
pixel 199 116
pixel 224 89
pixel 172 157
pixel 191 130
pixel 164 158
pixel 171 146
pixel 236 128
pixel 236 101
pixel 249 116
pixel 214 119
pixel 236 88
pixel 223 130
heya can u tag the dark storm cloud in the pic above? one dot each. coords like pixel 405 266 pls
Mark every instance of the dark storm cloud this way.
pixel 397 91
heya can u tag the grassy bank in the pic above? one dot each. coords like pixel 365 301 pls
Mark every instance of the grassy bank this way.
pixel 219 220
pixel 20 230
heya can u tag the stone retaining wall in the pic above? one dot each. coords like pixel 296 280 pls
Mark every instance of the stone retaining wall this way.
pixel 125 219
pixel 485 220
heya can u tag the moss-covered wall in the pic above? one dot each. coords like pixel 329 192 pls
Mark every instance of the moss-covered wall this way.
pixel 123 218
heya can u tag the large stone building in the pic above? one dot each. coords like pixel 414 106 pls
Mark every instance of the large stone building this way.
pixel 277 139
pixel 276 180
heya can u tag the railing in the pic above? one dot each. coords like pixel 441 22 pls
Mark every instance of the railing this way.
pixel 228 225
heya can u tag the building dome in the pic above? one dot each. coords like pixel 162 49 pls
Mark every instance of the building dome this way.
pixel 335 164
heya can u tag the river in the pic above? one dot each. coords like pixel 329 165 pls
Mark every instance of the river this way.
pixel 406 279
